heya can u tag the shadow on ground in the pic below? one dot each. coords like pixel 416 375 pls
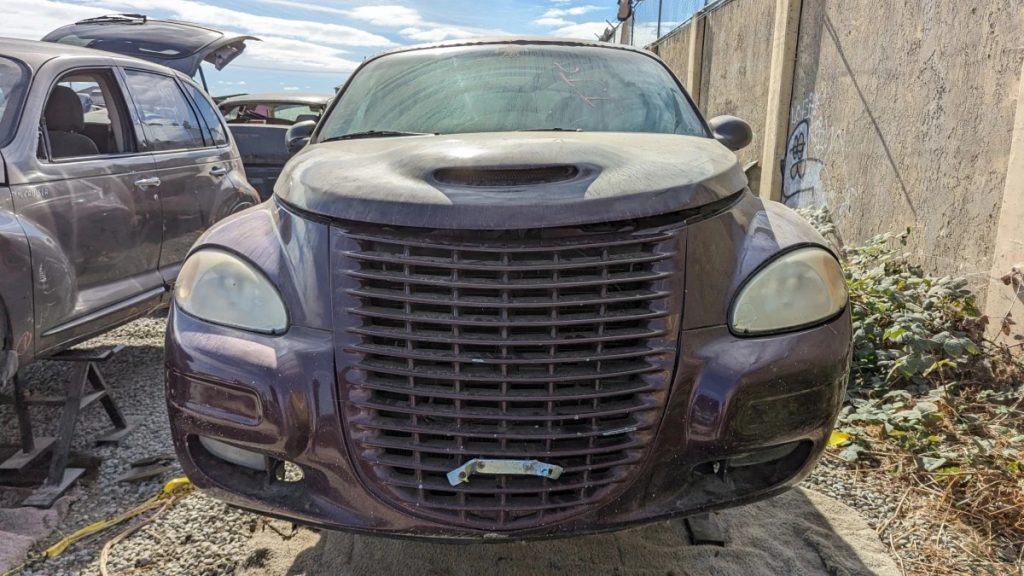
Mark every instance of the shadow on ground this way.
pixel 799 533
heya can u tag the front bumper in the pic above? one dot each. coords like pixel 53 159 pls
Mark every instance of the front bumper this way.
pixel 746 419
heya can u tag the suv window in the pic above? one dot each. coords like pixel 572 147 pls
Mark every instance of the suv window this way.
pixel 210 115
pixel 13 81
pixel 85 115
pixel 167 117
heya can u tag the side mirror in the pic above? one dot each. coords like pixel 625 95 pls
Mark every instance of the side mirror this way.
pixel 734 133
pixel 298 135
pixel 625 10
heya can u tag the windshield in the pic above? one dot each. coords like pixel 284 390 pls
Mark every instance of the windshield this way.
pixel 13 82
pixel 270 113
pixel 508 87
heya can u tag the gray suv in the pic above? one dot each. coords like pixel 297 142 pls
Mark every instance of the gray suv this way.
pixel 110 168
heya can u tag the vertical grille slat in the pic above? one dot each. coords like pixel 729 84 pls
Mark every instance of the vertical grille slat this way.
pixel 548 344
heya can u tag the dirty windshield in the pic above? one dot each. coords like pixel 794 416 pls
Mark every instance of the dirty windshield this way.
pixel 13 80
pixel 508 87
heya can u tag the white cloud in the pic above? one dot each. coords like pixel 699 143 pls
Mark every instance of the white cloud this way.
pixel 556 18
pixel 33 19
pixel 583 30
pixel 294 55
pixel 575 11
pixel 290 88
pixel 552 22
pixel 438 33
pixel 393 16
pixel 226 18
pixel 294 45
pixel 230 83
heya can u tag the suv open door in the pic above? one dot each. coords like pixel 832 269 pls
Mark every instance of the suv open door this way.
pixel 179 45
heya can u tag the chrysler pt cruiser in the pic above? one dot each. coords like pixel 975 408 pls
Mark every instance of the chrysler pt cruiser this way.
pixel 507 288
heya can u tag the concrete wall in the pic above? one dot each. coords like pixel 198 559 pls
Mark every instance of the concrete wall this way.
pixel 901 114
pixel 737 58
pixel 903 117
pixel 674 49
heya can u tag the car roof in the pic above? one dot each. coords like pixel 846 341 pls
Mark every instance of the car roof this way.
pixel 513 40
pixel 279 97
pixel 35 53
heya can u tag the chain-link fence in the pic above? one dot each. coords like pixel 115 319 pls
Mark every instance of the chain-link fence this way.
pixel 652 19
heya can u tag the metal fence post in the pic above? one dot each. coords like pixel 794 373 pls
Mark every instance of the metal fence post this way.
pixel 660 5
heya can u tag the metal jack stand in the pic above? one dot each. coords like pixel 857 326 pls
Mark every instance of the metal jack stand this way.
pixel 704 529
pixel 60 477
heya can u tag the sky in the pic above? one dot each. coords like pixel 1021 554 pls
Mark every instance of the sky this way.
pixel 313 45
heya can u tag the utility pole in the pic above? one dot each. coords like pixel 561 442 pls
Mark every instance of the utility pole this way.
pixel 660 4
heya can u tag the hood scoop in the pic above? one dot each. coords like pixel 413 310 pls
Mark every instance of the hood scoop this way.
pixel 509 180
pixel 505 177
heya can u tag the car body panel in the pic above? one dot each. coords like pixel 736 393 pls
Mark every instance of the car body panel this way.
pixel 276 98
pixel 82 242
pixel 181 46
pixel 16 280
pixel 392 180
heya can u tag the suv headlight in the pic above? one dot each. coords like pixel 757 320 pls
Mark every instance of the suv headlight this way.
pixel 795 290
pixel 219 287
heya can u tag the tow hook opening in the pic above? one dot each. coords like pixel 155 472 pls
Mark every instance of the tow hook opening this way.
pixel 288 472
pixel 765 466
pixel 235 455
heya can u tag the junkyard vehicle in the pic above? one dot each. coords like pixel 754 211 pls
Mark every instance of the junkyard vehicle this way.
pixel 510 288
pixel 260 124
pixel 100 197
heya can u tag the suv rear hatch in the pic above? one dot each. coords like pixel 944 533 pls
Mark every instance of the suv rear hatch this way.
pixel 182 46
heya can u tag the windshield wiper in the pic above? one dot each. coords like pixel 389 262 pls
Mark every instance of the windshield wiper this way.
pixel 554 129
pixel 376 134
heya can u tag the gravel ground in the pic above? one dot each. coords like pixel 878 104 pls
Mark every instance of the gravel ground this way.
pixel 201 536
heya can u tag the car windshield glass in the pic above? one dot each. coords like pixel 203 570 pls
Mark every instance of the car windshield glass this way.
pixel 270 113
pixel 13 81
pixel 509 87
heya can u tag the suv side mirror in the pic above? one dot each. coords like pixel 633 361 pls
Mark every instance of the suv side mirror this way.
pixel 298 135
pixel 734 133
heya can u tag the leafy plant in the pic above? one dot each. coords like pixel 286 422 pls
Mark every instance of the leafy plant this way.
pixel 926 382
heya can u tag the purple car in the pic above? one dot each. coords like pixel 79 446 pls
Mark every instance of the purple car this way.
pixel 510 288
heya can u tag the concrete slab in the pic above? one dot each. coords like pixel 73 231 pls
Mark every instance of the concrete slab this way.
pixel 801 533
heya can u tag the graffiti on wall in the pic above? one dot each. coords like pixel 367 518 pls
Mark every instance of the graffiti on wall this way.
pixel 801 175
pixel 810 140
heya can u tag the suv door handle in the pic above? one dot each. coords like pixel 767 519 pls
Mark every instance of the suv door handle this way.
pixel 151 182
pixel 218 171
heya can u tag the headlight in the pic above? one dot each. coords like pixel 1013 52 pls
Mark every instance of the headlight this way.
pixel 219 287
pixel 797 289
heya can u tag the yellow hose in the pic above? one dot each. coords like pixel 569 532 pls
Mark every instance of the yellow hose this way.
pixel 174 488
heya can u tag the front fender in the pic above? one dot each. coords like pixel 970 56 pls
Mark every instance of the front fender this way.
pixel 16 304
pixel 723 251
pixel 292 252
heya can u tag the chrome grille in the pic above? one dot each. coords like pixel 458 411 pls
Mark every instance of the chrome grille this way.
pixel 555 345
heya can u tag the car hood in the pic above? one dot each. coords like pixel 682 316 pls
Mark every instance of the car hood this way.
pixel 509 180
pixel 182 46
